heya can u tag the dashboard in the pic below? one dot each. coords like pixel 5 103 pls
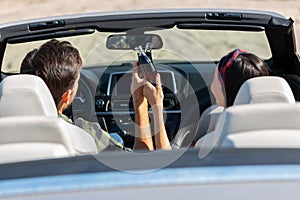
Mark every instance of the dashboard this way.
pixel 113 108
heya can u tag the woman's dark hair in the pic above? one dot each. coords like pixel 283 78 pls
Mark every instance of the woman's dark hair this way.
pixel 239 67
pixel 57 62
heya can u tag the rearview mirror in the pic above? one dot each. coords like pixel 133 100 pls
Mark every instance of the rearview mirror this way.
pixel 124 41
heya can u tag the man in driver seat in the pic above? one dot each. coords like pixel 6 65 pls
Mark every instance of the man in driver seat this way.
pixel 59 63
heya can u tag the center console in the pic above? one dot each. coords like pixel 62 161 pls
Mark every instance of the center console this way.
pixel 115 106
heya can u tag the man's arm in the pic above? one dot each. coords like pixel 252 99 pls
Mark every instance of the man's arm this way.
pixel 143 137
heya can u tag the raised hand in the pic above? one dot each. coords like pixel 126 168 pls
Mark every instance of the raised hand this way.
pixel 137 85
pixel 153 94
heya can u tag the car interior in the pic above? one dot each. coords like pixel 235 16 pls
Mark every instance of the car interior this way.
pixel 46 134
pixel 186 49
pixel 260 109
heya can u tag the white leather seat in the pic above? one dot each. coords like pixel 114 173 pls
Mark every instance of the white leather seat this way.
pixel 264 89
pixel 29 124
pixel 208 120
pixel 37 137
pixel 273 125
pixel 25 95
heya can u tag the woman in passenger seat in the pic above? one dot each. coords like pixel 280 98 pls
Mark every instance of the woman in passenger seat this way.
pixel 232 71
pixel 58 63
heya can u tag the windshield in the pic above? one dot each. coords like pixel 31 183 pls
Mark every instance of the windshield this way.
pixel 178 46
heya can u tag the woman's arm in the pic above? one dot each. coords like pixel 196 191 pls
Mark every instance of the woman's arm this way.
pixel 143 137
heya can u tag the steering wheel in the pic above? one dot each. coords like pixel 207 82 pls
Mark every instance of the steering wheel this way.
pixel 83 105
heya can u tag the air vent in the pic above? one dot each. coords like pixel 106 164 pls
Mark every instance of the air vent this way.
pixel 122 105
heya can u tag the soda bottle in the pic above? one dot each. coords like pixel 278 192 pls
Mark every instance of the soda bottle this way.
pixel 146 68
pixel 148 50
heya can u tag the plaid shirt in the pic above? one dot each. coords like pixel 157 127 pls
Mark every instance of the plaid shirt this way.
pixel 102 139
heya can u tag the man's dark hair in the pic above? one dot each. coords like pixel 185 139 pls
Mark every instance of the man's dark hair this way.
pixel 26 66
pixel 245 66
pixel 57 62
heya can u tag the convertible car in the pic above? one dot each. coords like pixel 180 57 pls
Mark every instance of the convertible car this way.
pixel 248 150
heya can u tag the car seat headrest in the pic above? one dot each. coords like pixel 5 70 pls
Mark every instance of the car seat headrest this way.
pixel 26 95
pixel 264 89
